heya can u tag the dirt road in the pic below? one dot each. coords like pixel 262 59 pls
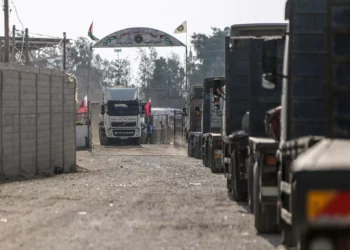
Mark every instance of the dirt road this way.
pixel 152 197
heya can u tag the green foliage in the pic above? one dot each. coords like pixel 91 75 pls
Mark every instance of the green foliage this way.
pixel 210 56
pixel 161 79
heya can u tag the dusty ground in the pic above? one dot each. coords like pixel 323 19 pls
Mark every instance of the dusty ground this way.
pixel 152 197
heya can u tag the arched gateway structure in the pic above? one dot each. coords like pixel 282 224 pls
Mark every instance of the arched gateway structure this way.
pixel 131 38
pixel 138 37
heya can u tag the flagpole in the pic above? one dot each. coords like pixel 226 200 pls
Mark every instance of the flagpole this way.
pixel 186 57
pixel 89 99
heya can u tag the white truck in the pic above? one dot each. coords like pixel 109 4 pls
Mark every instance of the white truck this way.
pixel 120 118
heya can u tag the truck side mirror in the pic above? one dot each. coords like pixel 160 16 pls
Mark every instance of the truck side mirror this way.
pixel 142 106
pixel 197 111
pixel 287 10
pixel 102 109
pixel 245 122
pixel 268 81
pixel 184 111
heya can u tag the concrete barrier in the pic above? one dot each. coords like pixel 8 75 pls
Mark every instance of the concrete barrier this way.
pixel 37 126
pixel 81 136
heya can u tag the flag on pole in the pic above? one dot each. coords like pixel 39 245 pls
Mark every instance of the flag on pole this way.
pixel 83 106
pixel 148 108
pixel 182 28
pixel 90 33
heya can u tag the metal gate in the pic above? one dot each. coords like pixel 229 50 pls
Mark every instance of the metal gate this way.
pixel 162 131
pixel 178 128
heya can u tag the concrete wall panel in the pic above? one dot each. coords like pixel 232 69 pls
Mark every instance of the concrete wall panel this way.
pixel 37 121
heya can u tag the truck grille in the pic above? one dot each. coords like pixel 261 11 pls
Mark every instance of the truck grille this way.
pixel 123 132
pixel 123 124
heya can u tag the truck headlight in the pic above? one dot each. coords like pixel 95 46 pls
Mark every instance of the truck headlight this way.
pixel 321 243
pixel 110 132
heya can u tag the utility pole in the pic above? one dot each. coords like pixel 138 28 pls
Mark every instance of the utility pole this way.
pixel 119 73
pixel 118 50
pixel 13 52
pixel 6 31
pixel 27 46
pixel 64 51
pixel 129 78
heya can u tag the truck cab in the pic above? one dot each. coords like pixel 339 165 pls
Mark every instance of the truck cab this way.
pixel 211 123
pixel 194 118
pixel 245 99
pixel 120 118
pixel 313 163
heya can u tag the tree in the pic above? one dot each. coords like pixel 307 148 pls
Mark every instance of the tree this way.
pixel 120 74
pixel 210 56
pixel 146 68
pixel 167 83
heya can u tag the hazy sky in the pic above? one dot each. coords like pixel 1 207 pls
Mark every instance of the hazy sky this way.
pixel 52 18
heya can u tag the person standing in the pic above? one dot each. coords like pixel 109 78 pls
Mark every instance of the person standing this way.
pixel 149 133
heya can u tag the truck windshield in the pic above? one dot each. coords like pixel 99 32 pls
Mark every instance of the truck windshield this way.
pixel 123 108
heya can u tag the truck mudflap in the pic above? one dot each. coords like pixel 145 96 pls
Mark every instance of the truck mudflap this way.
pixel 216 153
pixel 236 171
pixel 321 184
pixel 262 183
pixel 263 153
pixel 205 149
pixel 194 147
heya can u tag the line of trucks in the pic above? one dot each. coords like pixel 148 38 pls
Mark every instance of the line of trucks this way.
pixel 278 124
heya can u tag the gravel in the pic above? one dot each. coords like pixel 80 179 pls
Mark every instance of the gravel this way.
pixel 148 197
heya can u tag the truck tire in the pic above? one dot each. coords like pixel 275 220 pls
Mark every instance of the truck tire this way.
pixel 229 185
pixel 103 138
pixel 236 196
pixel 100 138
pixel 265 222
pixel 189 147
pixel 212 165
pixel 250 184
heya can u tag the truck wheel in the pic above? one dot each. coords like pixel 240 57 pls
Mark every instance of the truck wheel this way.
pixel 212 161
pixel 188 148
pixel 205 154
pixel 265 221
pixel 100 137
pixel 106 141
pixel 103 138
pixel 229 186
pixel 250 184
pixel 236 196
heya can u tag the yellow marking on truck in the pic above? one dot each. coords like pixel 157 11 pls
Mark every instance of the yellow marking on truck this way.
pixel 217 156
pixel 317 200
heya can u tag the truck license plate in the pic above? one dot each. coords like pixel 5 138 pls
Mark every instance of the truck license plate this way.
pixel 123 138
